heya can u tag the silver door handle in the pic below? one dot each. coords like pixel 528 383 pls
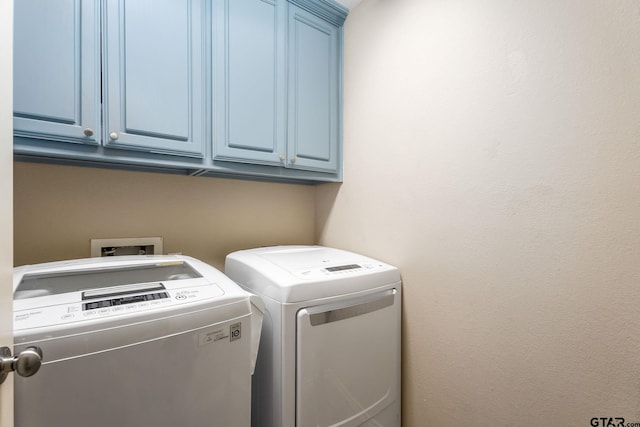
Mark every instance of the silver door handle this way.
pixel 25 364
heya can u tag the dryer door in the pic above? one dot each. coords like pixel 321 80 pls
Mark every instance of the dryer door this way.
pixel 348 362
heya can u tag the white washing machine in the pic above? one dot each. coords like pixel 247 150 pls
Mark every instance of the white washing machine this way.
pixel 134 341
pixel 330 348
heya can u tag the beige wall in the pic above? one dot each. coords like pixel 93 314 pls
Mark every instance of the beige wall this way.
pixel 58 209
pixel 492 152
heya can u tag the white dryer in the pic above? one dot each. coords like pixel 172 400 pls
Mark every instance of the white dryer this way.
pixel 134 341
pixel 330 348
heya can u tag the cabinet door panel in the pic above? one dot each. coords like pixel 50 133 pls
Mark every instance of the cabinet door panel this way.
pixel 56 70
pixel 313 92
pixel 155 76
pixel 249 110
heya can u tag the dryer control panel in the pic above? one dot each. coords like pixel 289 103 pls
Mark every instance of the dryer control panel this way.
pixel 334 270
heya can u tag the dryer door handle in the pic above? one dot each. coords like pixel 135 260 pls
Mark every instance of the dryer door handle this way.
pixel 25 364
pixel 334 313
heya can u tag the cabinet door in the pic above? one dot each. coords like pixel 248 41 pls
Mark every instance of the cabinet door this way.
pixel 314 89
pixel 154 76
pixel 249 73
pixel 56 83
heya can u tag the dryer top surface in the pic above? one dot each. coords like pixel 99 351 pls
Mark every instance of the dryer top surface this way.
pixel 302 273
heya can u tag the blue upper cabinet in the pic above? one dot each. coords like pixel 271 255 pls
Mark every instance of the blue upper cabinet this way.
pixel 154 71
pixel 314 91
pixel 277 91
pixel 241 88
pixel 57 76
pixel 249 116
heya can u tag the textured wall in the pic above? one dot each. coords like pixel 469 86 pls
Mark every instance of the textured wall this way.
pixel 492 152
pixel 59 209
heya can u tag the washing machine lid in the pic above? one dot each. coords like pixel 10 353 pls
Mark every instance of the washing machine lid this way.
pixel 77 294
pixel 300 273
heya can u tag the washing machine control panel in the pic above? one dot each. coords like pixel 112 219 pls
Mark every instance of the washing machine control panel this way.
pixel 124 301
pixel 61 310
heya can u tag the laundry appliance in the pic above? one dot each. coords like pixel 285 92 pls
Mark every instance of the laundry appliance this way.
pixel 330 347
pixel 134 341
